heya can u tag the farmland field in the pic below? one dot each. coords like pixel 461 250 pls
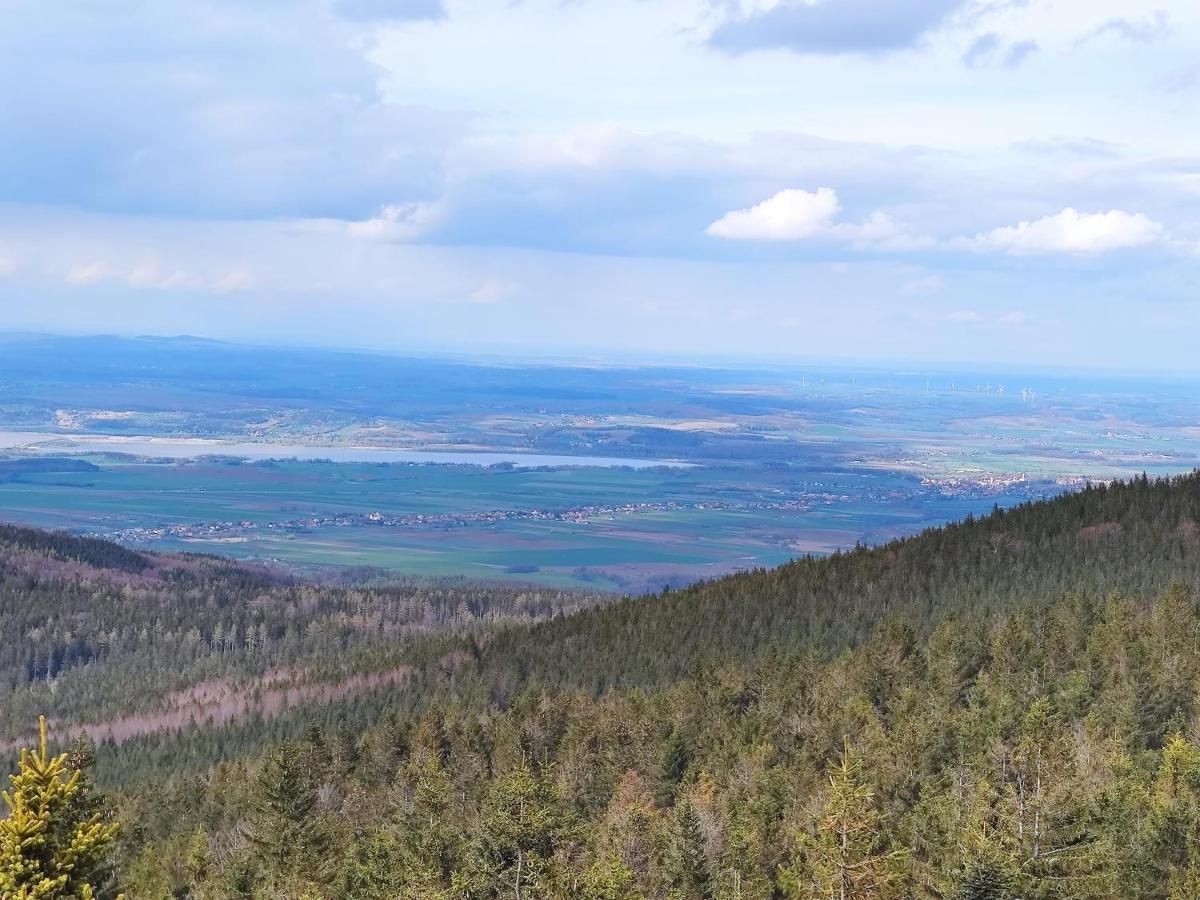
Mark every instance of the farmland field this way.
pixel 610 478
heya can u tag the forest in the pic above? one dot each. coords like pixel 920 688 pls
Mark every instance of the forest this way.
pixel 1004 707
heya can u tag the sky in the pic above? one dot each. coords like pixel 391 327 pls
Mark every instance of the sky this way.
pixel 1011 181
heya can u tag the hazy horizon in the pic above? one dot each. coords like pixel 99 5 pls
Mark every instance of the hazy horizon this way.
pixel 567 357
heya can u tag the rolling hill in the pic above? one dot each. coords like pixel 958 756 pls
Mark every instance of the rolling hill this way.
pixel 1003 707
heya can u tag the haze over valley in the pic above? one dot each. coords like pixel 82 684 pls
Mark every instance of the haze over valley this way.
pixel 603 477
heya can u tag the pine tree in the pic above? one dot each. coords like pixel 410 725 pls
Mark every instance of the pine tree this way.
pixel 1176 815
pixel 381 868
pixel 607 879
pixel 631 830
pixel 985 878
pixel 88 802
pixel 690 872
pixel 284 825
pixel 671 767
pixel 522 827
pixel 418 854
pixel 199 858
pixel 47 850
pixel 845 860
pixel 1039 802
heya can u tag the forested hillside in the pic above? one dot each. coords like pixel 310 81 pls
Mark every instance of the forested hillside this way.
pixel 131 643
pixel 1005 707
pixel 1133 537
pixel 1047 754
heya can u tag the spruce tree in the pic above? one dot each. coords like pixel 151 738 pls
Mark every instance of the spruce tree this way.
pixel 985 878
pixel 199 858
pixel 690 871
pixel 672 765
pixel 845 859
pixel 284 825
pixel 48 849
pixel 523 825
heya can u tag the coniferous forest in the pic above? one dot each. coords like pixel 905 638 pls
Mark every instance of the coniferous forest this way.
pixel 1005 707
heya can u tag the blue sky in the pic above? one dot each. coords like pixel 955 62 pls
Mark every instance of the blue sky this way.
pixel 943 180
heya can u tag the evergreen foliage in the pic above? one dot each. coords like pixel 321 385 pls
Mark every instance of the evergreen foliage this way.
pixel 52 845
pixel 1003 708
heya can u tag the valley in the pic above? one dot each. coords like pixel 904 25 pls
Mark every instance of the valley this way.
pixel 602 477
pixel 1052 639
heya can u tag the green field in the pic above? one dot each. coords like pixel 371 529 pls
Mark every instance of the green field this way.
pixel 778 463
pixel 610 528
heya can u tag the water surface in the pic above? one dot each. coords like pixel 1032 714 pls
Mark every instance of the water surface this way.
pixel 194 448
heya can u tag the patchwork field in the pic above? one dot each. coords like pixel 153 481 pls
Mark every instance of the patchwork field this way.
pixel 613 478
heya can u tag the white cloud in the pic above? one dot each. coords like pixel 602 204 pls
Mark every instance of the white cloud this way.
pixel 109 254
pixel 238 278
pixel 399 222
pixel 788 215
pixel 882 232
pixel 793 214
pixel 1071 231
pixel 87 273
pixel 150 275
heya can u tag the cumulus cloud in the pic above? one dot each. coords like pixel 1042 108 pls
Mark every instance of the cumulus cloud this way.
pixel 793 214
pixel 1071 231
pixel 153 276
pixel 788 215
pixel 832 27
pixel 975 317
pixel 86 273
pixel 491 291
pixel 238 278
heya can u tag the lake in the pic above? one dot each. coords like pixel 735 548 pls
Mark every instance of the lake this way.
pixel 194 448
